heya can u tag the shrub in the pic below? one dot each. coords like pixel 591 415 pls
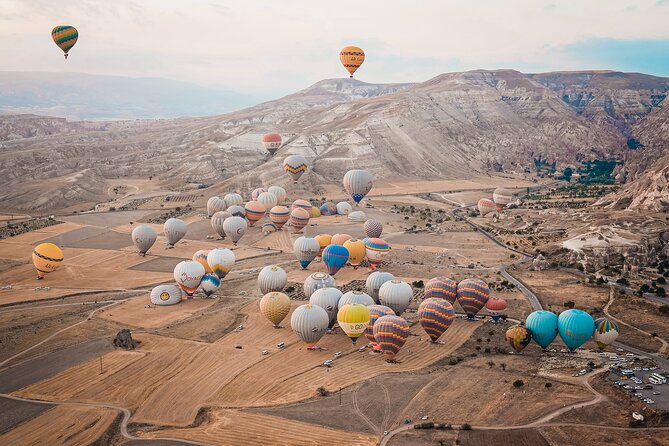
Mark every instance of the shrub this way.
pixel 660 292
pixel 661 280
pixel 548 385
pixel 569 304
pixel 418 284
pixel 289 289
pixel 466 427
pixel 322 391
pixel 518 383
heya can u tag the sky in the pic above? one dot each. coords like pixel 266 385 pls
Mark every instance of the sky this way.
pixel 269 48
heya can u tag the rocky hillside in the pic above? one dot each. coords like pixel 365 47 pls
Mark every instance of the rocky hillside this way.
pixel 452 126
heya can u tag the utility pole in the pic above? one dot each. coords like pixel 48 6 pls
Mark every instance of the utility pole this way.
pixel 340 396
pixel 100 364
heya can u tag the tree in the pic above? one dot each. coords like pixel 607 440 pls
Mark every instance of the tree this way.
pixel 569 304
pixel 567 173
pixel 518 383
pixel 322 391
pixel 661 292
pixel 466 427
pixel 548 385
pixel 661 280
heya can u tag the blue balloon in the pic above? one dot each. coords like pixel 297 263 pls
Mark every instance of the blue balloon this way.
pixel 334 257
pixel 328 208
pixel 575 328
pixel 544 327
pixel 210 283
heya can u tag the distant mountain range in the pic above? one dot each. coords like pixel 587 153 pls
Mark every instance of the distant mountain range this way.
pixel 77 96
pixel 455 125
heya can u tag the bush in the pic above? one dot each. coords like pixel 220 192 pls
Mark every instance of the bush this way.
pixel 569 304
pixel 418 284
pixel 660 292
pixel 548 385
pixel 322 391
pixel 518 383
pixel 289 289
pixel 661 280
pixel 466 427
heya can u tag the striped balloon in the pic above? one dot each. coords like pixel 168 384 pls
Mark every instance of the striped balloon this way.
pixel 606 331
pixel 267 199
pixel 355 297
pixel 65 37
pixel 323 241
pixel 376 250
pixel 272 142
pixel 358 183
pixel 275 307
pixel 502 197
pixel 486 206
pixel 334 257
pixel 396 295
pixel 303 204
pixel 299 218
pixel 237 211
pixel 272 278
pixel 356 251
pixel 339 239
pixel 374 282
pixel 442 288
pixel 328 299
pixel 233 199
pixel 254 211
pixel 373 228
pixel 268 228
pixel 309 323
pixel 376 311
pixel 255 193
pixel 391 332
pixel 217 222
pixel 472 296
pixel 306 249
pixel 435 316
pixel 316 281
pixel 279 192
pixel 210 283
pixel 215 204
pixel 295 166
pixel 328 208
pixel 518 337
pixel 353 320
pixel 279 215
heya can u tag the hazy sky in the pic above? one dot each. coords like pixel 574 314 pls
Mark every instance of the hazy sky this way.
pixel 272 47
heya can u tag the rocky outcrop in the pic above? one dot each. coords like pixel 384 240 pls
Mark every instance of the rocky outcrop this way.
pixel 124 340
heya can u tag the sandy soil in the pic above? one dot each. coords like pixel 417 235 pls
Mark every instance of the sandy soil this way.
pixel 479 183
pixel 424 437
pixel 521 437
pixel 579 436
pixel 642 314
pixel 107 219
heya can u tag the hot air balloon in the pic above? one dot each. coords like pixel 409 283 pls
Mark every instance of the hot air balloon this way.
pixel 254 211
pixel 237 211
pixel 472 296
pixel 235 228
pixel 165 295
pixel 215 204
pixel 328 299
pixel 279 215
pixel 518 337
pixel 272 142
pixel 174 230
pixel 356 251
pixel 358 183
pixel 275 307
pixel 47 258
pixel 356 216
pixel 221 261
pixel 299 218
pixel 495 307
pixel 340 239
pixel 351 57
pixel 295 166
pixel 374 282
pixel 267 199
pixel 201 257
pixel 272 278
pixel 544 327
pixel 334 257
pixel 391 332
pixel 217 222
pixel 435 316
pixel 255 193
pixel 302 204
pixel 233 199
pixel 188 275
pixel 606 331
pixel 355 297
pixel 210 283
pixel 353 320
pixel 373 228
pixel 309 322
pixel 65 37
pixel 306 249
pixel 575 328
pixel 323 241
pixel 375 250
pixel 316 281
pixel 144 237
pixel 396 295
pixel 268 228
pixel 343 208
pixel 486 206
pixel 502 197
pixel 328 208
pixel 443 288
pixel 315 212
pixel 375 312
pixel 279 193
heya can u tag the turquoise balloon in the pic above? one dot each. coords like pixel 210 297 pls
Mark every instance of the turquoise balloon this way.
pixel 544 327
pixel 334 257
pixel 575 328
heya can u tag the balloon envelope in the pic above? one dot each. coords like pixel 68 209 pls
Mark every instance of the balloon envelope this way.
pixel 374 282
pixel 435 316
pixel 162 295
pixel 486 206
pixel 518 337
pixel 272 142
pixel 235 228
pixel 221 261
pixel 279 215
pixel 606 331
pixel 328 208
pixel 442 288
pixel 353 320
pixel 188 275
pixel 396 294
pixel 47 258
pixel 358 183
pixel 309 323
pixel 356 251
pixel 65 37
pixel 144 237
pixel 217 222
pixel 334 257
pixel 376 311
pixel 275 307
pixel 375 250
pixel 355 297
pixel 215 204
pixel 496 307
pixel 272 278
pixel 295 166
pixel 575 328
pixel 306 249
pixel 233 199
pixel 351 58
pixel 373 228
pixel 299 218
pixel 201 257
pixel 391 332
pixel 343 208
pixel 316 281
pixel 328 299
pixel 472 296
pixel 254 211
pixel 174 229
pixel 279 192
pixel 544 327
pixel 210 283
pixel 323 241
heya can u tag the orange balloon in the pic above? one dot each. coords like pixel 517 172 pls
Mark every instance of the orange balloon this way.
pixel 351 57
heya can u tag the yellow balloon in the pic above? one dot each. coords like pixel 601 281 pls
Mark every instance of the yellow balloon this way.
pixel 353 319
pixel 315 212
pixel 201 258
pixel 275 307
pixel 351 57
pixel 356 251
pixel 47 257
pixel 323 240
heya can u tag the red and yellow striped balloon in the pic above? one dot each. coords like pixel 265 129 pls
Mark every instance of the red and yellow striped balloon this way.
pixel 472 296
pixel 435 316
